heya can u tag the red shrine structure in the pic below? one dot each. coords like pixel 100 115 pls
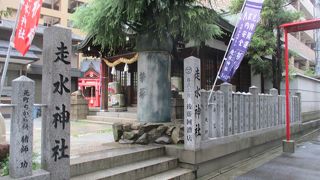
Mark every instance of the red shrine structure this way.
pixel 91 82
pixel 289 28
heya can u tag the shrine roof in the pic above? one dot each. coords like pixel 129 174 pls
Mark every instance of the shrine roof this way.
pixel 90 63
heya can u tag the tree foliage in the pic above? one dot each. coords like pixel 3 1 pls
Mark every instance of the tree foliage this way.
pixel 264 41
pixel 112 21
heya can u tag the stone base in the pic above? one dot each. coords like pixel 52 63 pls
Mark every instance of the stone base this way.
pixel 117 109
pixel 288 146
pixel 36 175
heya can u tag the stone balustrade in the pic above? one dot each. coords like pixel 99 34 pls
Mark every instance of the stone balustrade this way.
pixel 229 113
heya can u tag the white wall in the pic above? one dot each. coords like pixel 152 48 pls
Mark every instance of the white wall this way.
pixel 309 89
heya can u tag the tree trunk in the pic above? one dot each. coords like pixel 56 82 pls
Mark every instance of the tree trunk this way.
pixel 154 74
pixel 154 87
pixel 274 72
pixel 262 82
pixel 279 58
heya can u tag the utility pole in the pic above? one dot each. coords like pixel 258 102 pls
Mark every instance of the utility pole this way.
pixel 317 38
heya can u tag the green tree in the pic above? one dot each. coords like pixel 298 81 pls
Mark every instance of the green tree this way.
pixel 153 27
pixel 112 22
pixel 267 38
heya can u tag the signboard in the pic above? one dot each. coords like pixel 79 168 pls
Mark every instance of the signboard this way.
pixel 241 38
pixel 27 24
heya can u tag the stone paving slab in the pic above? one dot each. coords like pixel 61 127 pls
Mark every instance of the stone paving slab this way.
pixel 303 164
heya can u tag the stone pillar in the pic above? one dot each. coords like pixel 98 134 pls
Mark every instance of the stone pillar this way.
pixel 246 112
pixel 241 109
pixel 154 87
pixel 213 116
pixel 269 112
pixel 236 114
pixel 255 108
pixel 251 107
pixel 226 88
pixel 261 119
pixel 56 86
pixel 204 115
pixel 274 93
pixel 265 110
pixel 21 133
pixel 192 103
pixel 220 113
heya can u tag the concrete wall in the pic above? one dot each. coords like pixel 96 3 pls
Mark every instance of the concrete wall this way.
pixel 310 95
pixel 309 89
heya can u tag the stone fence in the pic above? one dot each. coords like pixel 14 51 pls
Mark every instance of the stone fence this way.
pixel 229 113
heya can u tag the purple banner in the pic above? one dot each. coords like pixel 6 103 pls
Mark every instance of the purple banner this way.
pixel 241 38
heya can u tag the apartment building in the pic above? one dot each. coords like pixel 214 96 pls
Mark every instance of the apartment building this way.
pixel 53 13
pixel 303 43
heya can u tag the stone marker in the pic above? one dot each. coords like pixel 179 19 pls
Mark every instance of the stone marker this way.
pixel 204 114
pixel 265 110
pixel 283 110
pixel 21 136
pixel 226 88
pixel 192 103
pixel 255 109
pixel 269 111
pixel 220 110
pixel 236 107
pixel 261 99
pixel 56 87
pixel 280 110
pixel 274 93
pixel 246 112
pixel 213 116
pixel 241 109
pixel 251 111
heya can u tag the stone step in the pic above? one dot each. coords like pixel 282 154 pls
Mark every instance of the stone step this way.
pixel 96 161
pixel 137 170
pixel 111 120
pixel 132 109
pixel 92 113
pixel 130 115
pixel 174 174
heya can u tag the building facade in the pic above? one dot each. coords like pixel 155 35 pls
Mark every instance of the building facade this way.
pixel 53 13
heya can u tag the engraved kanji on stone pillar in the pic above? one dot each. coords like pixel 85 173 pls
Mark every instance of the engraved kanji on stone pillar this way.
pixel 21 136
pixel 56 87
pixel 192 103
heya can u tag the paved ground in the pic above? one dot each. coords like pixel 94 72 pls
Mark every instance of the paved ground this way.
pixel 275 165
pixel 85 137
pixel 303 164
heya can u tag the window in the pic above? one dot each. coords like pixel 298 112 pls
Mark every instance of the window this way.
pixel 50 21
pixel 73 4
pixel 52 4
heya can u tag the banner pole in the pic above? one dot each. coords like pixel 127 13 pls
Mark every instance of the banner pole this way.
pixel 6 64
pixel 225 54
